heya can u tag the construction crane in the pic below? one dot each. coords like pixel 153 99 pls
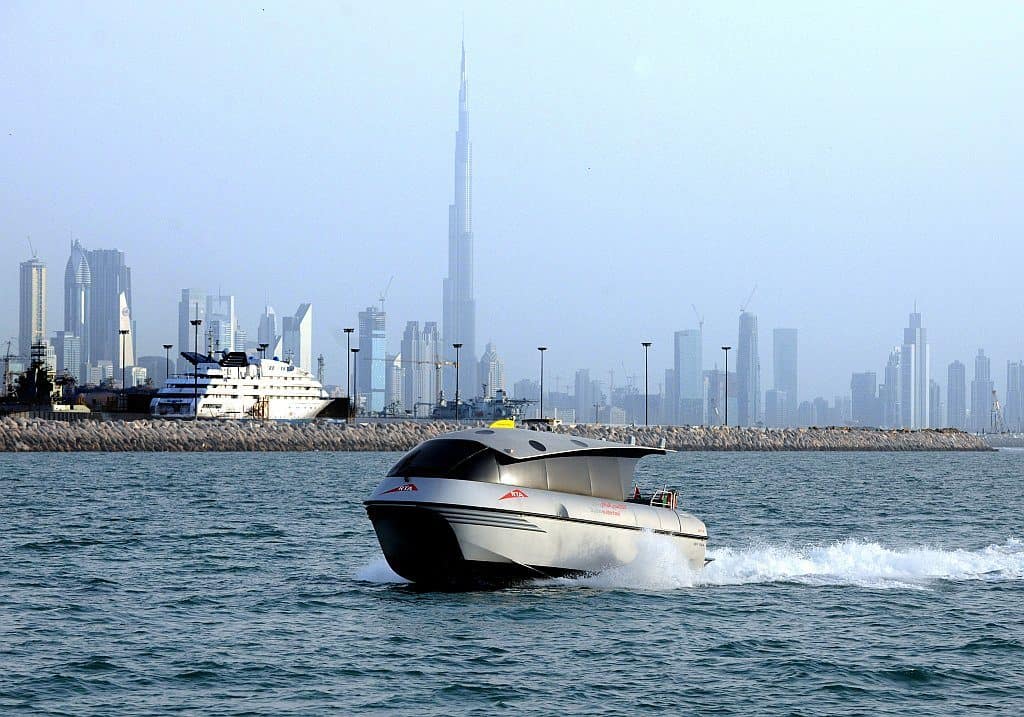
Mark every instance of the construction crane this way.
pixel 998 424
pixel 749 299
pixel 7 369
pixel 31 248
pixel 700 319
pixel 384 294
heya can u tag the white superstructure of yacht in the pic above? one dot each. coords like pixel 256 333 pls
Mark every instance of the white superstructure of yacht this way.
pixel 241 386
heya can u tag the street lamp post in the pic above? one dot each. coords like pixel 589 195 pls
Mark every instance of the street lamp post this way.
pixel 355 378
pixel 726 349
pixel 646 345
pixel 196 323
pixel 457 348
pixel 542 349
pixel 348 363
pixel 123 332
pixel 167 361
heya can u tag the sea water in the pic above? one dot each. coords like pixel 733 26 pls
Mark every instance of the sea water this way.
pixel 231 584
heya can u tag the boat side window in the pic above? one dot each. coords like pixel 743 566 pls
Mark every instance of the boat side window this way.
pixel 525 474
pixel 451 458
pixel 568 475
pixel 606 477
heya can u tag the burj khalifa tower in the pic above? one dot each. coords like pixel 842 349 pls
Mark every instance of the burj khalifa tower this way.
pixel 459 306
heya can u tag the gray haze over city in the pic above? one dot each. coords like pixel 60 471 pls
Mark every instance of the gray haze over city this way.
pixel 628 162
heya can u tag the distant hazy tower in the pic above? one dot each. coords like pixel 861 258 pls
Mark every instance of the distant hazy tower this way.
pixel 784 369
pixel 111 277
pixel 77 288
pixel 221 322
pixel 459 306
pixel 32 314
pixel 688 377
pixel 864 399
pixel 748 372
pixel 297 340
pixel 890 393
pixel 956 395
pixel 371 372
pixel 492 371
pixel 981 393
pixel 419 366
pixel 191 306
pixel 1013 407
pixel 915 378
pixel 934 404
pixel 584 396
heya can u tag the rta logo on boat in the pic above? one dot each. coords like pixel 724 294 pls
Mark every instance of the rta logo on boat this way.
pixel 401 488
pixel 514 494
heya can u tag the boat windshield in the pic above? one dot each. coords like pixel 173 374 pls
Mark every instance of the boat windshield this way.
pixel 449 458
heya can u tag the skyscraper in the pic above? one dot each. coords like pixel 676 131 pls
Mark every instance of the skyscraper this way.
pixel 915 378
pixel 934 404
pixel 748 372
pixel 890 393
pixel 784 369
pixel 419 367
pixel 981 393
pixel 111 277
pixel 68 349
pixel 77 289
pixel 689 377
pixel 266 332
pixel 864 399
pixel 584 392
pixel 371 377
pixel 956 395
pixel 221 322
pixel 459 306
pixel 32 309
pixel 1014 404
pixel 492 371
pixel 297 341
pixel 775 408
pixel 191 306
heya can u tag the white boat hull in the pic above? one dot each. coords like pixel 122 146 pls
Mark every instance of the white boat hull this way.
pixel 439 531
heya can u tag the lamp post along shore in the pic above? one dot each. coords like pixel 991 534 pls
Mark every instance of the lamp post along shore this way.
pixel 167 362
pixel 458 348
pixel 355 378
pixel 196 323
pixel 726 350
pixel 646 345
pixel 542 349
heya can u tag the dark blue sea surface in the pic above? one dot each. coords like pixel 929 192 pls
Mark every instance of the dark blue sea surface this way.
pixel 243 584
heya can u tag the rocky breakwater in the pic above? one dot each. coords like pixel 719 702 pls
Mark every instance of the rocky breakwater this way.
pixel 33 434
pixel 835 438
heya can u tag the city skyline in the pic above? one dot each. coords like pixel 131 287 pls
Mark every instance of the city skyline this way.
pixel 564 215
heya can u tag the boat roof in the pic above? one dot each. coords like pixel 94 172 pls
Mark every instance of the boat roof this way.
pixel 522 444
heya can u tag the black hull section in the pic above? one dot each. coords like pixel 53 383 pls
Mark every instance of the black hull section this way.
pixel 421 546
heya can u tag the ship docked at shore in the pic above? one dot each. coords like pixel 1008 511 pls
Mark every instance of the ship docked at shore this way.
pixel 242 386
pixel 489 506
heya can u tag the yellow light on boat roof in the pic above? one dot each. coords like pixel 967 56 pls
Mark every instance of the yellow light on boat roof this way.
pixel 503 423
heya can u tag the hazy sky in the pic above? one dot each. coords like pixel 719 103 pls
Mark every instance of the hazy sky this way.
pixel 847 158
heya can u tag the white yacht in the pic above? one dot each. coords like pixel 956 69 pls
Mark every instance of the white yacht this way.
pixel 241 386
pixel 492 505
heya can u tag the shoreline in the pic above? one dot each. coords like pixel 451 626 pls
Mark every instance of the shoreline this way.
pixel 21 435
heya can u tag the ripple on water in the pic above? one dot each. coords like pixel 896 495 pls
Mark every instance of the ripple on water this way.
pixel 232 584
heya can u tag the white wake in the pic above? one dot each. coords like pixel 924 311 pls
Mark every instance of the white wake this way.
pixel 849 562
pixel 379 572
